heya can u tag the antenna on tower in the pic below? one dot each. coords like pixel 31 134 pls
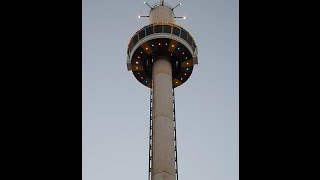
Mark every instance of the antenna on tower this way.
pixel 147 4
pixel 176 6
pixel 182 17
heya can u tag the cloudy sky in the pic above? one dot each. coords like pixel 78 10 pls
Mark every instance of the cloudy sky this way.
pixel 116 106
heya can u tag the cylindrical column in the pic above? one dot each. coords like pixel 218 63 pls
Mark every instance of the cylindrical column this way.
pixel 163 157
pixel 161 14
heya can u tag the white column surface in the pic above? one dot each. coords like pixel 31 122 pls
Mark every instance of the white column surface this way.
pixel 163 157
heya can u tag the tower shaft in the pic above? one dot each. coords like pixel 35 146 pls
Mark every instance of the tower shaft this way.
pixel 163 153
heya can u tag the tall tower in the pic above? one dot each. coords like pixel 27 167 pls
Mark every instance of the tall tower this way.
pixel 161 56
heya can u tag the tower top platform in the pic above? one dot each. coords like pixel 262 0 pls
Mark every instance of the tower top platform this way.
pixel 162 38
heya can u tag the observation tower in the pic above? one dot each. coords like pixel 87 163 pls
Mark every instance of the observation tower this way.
pixel 161 56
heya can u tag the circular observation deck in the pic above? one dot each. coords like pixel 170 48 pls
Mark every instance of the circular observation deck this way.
pixel 162 40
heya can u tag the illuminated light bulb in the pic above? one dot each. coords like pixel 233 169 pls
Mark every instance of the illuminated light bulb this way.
pixel 172 45
pixel 166 44
pixel 187 63
pixel 159 44
pixel 147 48
pixel 136 67
pixel 186 57
pixel 141 52
pixel 137 62
pixel 138 57
pixel 142 77
pixel 185 74
pixel 182 52
pixel 152 45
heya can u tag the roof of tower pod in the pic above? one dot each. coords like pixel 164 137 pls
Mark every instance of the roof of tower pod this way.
pixel 162 39
pixel 162 4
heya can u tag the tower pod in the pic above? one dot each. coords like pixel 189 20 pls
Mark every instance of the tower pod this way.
pixel 162 39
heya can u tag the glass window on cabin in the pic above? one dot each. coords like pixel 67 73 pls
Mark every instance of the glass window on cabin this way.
pixel 135 39
pixel 166 29
pixel 157 29
pixel 149 30
pixel 142 34
pixel 183 34
pixel 189 40
pixel 176 31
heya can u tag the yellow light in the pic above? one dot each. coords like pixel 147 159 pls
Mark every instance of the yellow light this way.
pixel 172 45
pixel 187 63
pixel 137 68
pixel 146 48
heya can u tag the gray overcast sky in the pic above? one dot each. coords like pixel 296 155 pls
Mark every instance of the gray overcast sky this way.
pixel 116 106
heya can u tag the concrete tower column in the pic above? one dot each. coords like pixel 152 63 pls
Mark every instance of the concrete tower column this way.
pixel 163 157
